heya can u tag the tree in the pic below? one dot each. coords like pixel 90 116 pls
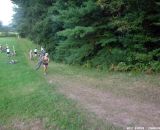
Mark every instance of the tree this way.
pixel 101 33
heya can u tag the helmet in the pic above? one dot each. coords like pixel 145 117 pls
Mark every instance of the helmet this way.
pixel 46 54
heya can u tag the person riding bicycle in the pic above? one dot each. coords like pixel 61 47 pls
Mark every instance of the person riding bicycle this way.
pixel 45 60
pixel 8 51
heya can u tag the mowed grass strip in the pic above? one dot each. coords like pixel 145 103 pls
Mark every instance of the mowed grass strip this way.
pixel 135 85
pixel 28 101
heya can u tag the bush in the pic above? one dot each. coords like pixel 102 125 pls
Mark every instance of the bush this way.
pixel 155 66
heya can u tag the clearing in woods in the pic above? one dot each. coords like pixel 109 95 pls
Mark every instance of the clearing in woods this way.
pixel 121 99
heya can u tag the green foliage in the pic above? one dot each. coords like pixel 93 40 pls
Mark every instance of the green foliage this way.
pixel 155 66
pixel 77 32
pixel 143 58
pixel 121 67
pixel 95 32
pixel 107 56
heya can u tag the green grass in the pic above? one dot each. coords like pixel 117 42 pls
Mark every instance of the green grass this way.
pixel 138 86
pixel 25 96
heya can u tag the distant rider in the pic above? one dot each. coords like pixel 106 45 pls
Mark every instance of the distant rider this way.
pixel 8 51
pixel 35 52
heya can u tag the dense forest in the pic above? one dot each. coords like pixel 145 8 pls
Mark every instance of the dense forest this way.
pixel 120 35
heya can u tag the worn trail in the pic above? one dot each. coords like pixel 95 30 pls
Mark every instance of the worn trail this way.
pixel 118 110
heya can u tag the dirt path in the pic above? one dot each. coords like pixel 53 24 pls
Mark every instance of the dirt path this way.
pixel 118 110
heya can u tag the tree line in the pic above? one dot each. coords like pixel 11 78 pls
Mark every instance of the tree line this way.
pixel 120 35
pixel 7 31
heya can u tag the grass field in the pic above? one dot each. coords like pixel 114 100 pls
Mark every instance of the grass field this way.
pixel 138 86
pixel 28 102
